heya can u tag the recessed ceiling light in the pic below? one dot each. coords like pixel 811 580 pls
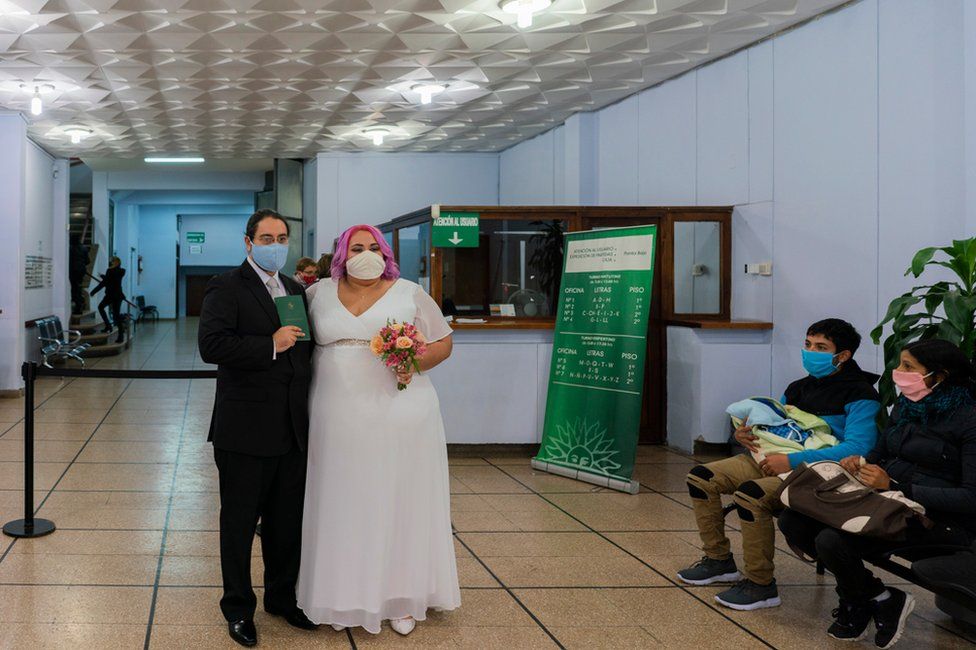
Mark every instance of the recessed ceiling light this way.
pixel 77 133
pixel 172 160
pixel 427 91
pixel 525 9
pixel 377 133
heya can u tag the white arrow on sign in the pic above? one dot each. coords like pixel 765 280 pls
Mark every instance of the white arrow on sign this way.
pixel 455 239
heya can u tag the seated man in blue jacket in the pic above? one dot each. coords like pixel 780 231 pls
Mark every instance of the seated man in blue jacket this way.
pixel 837 391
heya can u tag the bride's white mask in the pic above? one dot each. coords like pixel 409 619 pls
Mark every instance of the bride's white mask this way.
pixel 366 265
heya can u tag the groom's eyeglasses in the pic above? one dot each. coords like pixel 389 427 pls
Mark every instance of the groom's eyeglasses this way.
pixel 264 240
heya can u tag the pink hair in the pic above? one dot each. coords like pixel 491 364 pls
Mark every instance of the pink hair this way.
pixel 392 270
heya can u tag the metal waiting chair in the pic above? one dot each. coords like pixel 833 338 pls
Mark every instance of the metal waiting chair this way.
pixel 55 345
pixel 146 311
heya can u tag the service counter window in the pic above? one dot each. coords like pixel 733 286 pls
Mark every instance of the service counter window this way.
pixel 513 272
pixel 506 271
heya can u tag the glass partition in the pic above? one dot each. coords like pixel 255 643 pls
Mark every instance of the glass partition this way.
pixel 414 254
pixel 697 273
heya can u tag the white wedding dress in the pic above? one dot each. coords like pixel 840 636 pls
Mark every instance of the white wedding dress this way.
pixel 376 538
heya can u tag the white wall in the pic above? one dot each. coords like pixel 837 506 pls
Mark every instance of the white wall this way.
pixel 844 145
pixel 373 188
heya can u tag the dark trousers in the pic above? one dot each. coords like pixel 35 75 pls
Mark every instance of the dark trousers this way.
pixel 272 488
pixel 116 305
pixel 843 553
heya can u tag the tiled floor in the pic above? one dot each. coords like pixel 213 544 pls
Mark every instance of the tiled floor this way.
pixel 124 470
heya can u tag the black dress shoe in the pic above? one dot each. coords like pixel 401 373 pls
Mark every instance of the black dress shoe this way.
pixel 295 618
pixel 243 632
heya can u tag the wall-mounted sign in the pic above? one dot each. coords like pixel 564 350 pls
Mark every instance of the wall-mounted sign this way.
pixel 196 237
pixel 196 249
pixel 455 229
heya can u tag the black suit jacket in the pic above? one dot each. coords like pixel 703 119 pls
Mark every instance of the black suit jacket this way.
pixel 112 283
pixel 261 406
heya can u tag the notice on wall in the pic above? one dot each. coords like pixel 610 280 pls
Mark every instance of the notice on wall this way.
pixel 38 272
pixel 455 229
pixel 599 350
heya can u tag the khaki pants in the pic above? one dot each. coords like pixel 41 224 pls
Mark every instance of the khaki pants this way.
pixel 754 496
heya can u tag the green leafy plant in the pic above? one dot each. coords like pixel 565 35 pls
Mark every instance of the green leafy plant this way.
pixel 944 310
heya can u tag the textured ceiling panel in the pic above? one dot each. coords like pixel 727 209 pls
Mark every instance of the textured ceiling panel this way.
pixel 290 78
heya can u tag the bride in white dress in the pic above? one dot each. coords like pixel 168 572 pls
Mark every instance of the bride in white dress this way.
pixel 376 541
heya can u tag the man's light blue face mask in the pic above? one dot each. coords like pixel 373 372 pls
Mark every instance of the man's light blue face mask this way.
pixel 270 257
pixel 818 364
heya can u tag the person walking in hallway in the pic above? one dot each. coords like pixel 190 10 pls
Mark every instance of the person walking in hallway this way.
pixel 259 427
pixel 112 283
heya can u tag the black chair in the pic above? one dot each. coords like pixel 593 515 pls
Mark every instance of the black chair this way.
pixel 55 346
pixel 146 311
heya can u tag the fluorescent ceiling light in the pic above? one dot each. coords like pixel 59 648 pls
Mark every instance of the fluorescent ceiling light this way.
pixel 376 134
pixel 36 103
pixel 525 9
pixel 163 159
pixel 427 91
pixel 77 133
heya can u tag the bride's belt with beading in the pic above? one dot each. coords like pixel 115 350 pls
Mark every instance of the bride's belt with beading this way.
pixel 348 343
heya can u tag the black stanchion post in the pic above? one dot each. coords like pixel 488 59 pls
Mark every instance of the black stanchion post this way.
pixel 29 526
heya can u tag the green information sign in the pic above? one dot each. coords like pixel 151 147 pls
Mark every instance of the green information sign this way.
pixel 196 237
pixel 598 355
pixel 456 230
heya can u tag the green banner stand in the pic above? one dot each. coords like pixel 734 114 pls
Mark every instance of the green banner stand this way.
pixel 599 349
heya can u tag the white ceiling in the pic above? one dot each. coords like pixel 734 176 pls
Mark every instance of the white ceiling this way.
pixel 99 164
pixel 290 78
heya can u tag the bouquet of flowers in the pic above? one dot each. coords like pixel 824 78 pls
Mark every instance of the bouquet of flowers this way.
pixel 398 345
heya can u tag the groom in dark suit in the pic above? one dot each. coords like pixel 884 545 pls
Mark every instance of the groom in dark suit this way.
pixel 259 428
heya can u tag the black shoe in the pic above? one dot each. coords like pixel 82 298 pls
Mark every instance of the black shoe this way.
pixel 850 621
pixel 747 595
pixel 706 571
pixel 890 616
pixel 243 632
pixel 295 618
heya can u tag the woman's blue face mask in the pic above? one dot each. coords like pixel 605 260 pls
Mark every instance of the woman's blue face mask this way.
pixel 818 364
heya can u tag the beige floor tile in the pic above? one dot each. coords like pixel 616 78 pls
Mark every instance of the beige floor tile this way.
pixel 465 461
pixel 471 573
pixel 660 454
pixel 53 431
pixel 98 451
pixel 481 521
pixel 619 638
pixel 90 402
pixel 73 635
pixel 200 477
pixel 663 477
pixel 617 511
pixel 474 638
pixel 49 451
pixel 200 544
pixel 564 545
pixel 139 432
pixel 184 605
pixel 119 476
pixel 45 475
pixel 544 482
pixel 584 608
pixel 105 517
pixel 136 570
pixel 485 480
pixel 92 542
pixel 69 416
pixel 482 608
pixel 573 572
pixel 271 634
pixel 678 619
pixel 457 487
pixel 202 571
pixel 42 604
pixel 194 519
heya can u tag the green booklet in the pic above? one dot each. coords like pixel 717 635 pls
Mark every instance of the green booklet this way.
pixel 291 311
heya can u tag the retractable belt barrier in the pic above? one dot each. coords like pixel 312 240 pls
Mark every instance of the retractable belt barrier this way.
pixel 30 526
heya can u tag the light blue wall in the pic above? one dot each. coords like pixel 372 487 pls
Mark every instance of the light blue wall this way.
pixel 843 145
pixel 157 246
pixel 224 233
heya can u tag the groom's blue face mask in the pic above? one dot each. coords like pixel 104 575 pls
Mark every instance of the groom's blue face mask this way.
pixel 270 257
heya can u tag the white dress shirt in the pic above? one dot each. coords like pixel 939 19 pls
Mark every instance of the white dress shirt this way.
pixel 273 284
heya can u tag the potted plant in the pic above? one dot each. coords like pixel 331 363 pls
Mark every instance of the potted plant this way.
pixel 945 309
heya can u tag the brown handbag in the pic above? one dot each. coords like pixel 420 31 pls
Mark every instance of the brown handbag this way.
pixel 828 493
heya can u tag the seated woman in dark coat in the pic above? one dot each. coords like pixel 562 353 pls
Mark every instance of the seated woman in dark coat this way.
pixel 928 452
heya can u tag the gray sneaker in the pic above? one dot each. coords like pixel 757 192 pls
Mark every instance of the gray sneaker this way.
pixel 706 571
pixel 746 595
